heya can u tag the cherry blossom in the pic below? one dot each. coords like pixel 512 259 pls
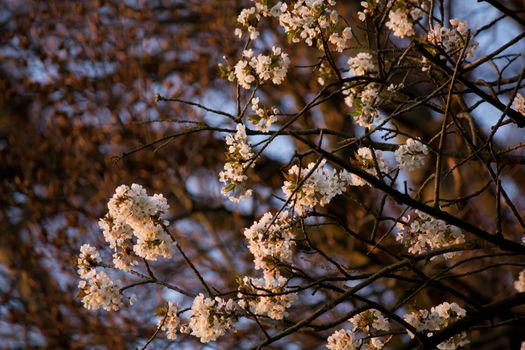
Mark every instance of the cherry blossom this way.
pixel 97 290
pixel 411 155
pixel 424 233
pixel 438 318
pixel 519 103
pixel 519 285
pixel 238 159
pixel 211 317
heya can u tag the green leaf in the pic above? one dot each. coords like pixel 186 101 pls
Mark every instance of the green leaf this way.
pixel 161 311
pixel 230 187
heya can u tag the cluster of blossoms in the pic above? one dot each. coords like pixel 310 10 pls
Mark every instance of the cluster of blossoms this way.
pixel 402 17
pixel 439 317
pixel 263 118
pixel 363 100
pixel 519 103
pixel 307 19
pixel 133 224
pixel 323 73
pixel 96 289
pixel 426 233
pixel 411 155
pixel 250 17
pixel 452 40
pixel 369 7
pixel 211 318
pixel 238 157
pixel 364 323
pixel 361 64
pixel 87 261
pixel 340 40
pixel 266 296
pixel 519 285
pixel 134 214
pixel 343 339
pixel 171 322
pixel 270 240
pixel 261 68
pixel 318 185
pixel 371 161
pixel 370 319
pixel 312 186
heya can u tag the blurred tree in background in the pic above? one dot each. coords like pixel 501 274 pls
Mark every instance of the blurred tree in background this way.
pixel 79 117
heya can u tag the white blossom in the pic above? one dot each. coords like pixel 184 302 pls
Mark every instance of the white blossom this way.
pixel 519 285
pixel 238 144
pixel 368 319
pixel 369 94
pixel 368 163
pixel 266 296
pixel 368 9
pixel 262 68
pixel 269 240
pixel 87 260
pixel 211 318
pixel 238 158
pixel 250 17
pixel 170 322
pixel 421 320
pixel 264 117
pixel 244 73
pixel 519 103
pixel 400 23
pixel 452 40
pixel 361 64
pixel 97 290
pixel 363 101
pixel 319 188
pixel 124 261
pixel 134 214
pixel 116 232
pixel 340 40
pixel 369 97
pixel 417 12
pixel 306 19
pixel 152 242
pixel 351 179
pixel 280 63
pixel 425 64
pixel 393 87
pixel 439 317
pixel 425 233
pixel 411 155
pixel 402 17
pixel 374 344
pixel 343 340
pixel 238 33
pixel 324 72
